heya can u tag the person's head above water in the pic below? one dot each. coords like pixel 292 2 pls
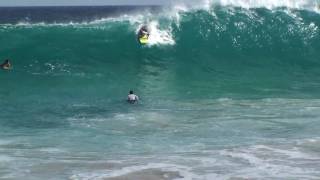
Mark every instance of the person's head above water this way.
pixel 132 98
pixel 6 62
pixel 144 28
pixel 5 65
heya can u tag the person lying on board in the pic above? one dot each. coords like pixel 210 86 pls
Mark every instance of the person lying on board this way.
pixel 143 32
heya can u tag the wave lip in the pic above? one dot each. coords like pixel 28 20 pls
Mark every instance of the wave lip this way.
pixel 270 4
pixel 310 5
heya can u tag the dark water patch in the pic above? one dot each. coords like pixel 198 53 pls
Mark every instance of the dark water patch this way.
pixel 61 14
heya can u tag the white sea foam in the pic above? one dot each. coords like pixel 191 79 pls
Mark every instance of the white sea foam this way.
pixel 252 162
pixel 5 142
pixel 260 161
pixel 158 35
pixel 311 5
pixel 4 158
pixel 310 145
pixel 184 172
pixel 52 150
pixel 297 4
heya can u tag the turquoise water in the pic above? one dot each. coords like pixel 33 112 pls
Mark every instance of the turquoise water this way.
pixel 225 93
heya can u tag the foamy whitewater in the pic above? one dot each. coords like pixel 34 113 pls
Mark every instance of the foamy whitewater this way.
pixel 229 90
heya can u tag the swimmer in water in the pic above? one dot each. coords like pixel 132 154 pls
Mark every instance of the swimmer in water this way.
pixel 132 98
pixel 6 65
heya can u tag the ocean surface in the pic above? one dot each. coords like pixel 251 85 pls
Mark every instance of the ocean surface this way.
pixel 229 90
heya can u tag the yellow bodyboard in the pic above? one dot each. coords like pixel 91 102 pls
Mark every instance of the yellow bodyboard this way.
pixel 143 40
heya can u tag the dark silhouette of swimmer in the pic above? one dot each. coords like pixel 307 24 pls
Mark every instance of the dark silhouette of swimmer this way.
pixel 143 32
pixel 132 98
pixel 6 65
